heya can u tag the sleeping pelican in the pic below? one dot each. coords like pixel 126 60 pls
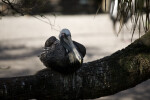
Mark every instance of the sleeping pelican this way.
pixel 63 55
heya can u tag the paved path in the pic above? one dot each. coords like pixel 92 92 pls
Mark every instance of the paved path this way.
pixel 21 40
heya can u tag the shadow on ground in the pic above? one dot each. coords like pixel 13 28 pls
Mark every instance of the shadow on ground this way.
pixel 18 52
pixel 19 60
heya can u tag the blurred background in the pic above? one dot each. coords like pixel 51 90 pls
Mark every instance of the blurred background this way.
pixel 22 38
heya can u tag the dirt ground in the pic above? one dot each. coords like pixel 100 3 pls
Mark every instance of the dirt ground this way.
pixel 22 40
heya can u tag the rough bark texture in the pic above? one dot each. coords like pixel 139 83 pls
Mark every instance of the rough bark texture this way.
pixel 122 70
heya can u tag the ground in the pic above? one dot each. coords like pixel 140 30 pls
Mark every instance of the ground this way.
pixel 22 40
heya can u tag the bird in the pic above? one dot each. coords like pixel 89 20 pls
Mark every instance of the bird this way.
pixel 64 55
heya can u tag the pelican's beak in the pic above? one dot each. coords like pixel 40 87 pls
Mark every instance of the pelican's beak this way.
pixel 73 48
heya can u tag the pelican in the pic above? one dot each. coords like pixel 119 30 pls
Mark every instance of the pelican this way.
pixel 63 55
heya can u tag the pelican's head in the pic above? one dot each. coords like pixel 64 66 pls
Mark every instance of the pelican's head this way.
pixel 66 41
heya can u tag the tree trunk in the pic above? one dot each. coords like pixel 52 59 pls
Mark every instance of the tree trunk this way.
pixel 122 70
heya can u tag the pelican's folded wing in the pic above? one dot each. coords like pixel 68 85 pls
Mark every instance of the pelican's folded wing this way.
pixel 50 41
pixel 80 48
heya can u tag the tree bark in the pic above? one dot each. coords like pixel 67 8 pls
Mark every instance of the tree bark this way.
pixel 122 70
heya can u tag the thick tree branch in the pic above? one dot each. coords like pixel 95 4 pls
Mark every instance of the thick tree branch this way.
pixel 109 75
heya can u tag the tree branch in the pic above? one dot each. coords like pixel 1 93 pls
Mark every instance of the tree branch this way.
pixel 109 75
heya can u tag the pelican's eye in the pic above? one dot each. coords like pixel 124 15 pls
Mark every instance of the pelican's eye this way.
pixel 64 35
